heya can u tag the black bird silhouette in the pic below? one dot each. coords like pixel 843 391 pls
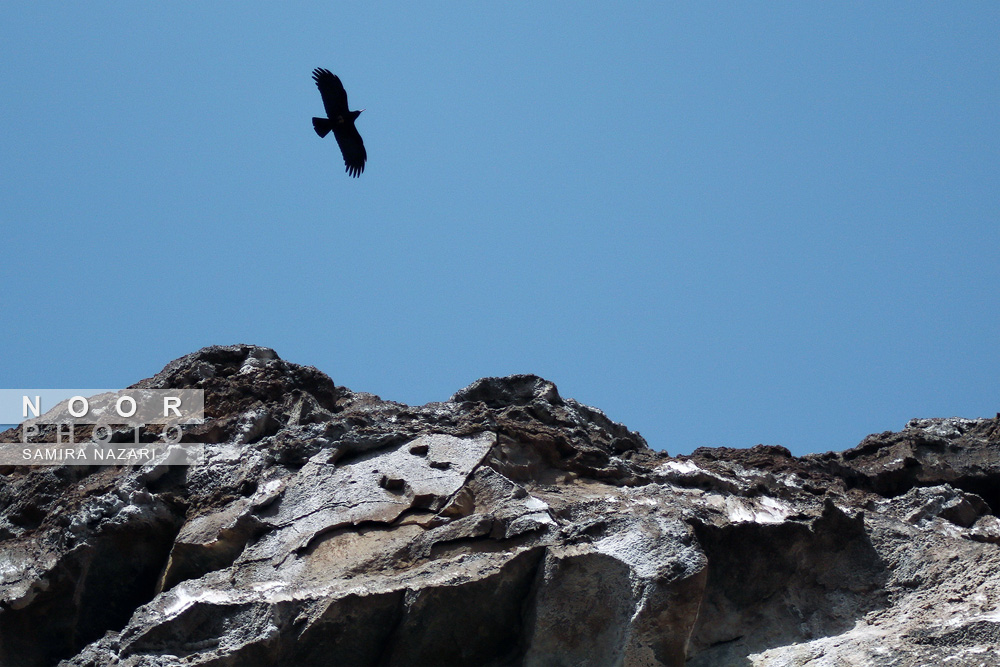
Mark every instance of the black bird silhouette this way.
pixel 340 120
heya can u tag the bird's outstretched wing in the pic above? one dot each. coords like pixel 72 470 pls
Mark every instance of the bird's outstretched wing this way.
pixel 332 90
pixel 341 121
pixel 353 148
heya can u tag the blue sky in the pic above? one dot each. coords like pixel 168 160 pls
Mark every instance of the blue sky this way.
pixel 721 223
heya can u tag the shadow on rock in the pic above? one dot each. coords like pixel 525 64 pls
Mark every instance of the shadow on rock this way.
pixel 776 584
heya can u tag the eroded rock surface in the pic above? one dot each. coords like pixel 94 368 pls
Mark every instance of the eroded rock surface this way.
pixel 505 526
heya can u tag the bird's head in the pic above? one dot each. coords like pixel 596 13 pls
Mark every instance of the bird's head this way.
pixel 356 113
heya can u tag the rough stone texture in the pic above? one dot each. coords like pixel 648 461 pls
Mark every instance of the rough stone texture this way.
pixel 505 526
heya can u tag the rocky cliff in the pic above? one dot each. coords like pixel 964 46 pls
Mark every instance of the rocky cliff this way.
pixel 505 526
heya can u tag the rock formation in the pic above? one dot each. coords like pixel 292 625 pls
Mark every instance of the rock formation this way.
pixel 505 526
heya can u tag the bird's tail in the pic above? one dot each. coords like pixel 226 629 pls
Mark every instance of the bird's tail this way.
pixel 322 126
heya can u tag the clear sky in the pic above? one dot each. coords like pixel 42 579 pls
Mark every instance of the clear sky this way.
pixel 720 223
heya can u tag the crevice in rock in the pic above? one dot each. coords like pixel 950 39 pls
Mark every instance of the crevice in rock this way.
pixel 447 549
pixel 474 622
pixel 95 588
pixel 342 455
pixel 929 452
pixel 894 483
pixel 776 584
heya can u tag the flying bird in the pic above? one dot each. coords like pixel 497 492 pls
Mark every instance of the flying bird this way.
pixel 340 120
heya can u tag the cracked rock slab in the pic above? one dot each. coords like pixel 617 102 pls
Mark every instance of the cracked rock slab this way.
pixel 505 526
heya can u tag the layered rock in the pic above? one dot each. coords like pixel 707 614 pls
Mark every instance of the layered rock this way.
pixel 505 526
